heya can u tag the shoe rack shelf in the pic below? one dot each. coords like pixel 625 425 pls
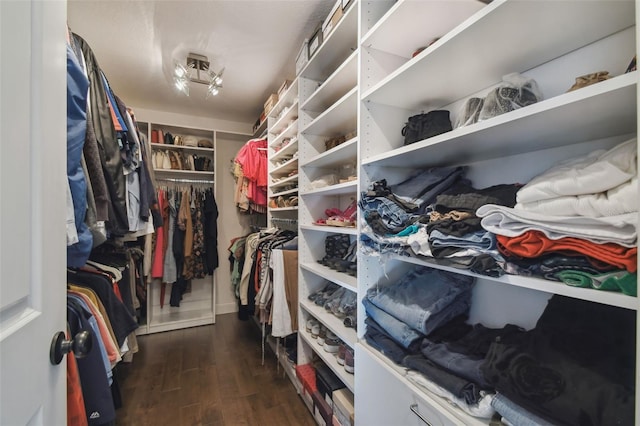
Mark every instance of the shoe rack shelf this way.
pixel 328 358
pixel 283 157
pixel 328 97
pixel 337 189
pixel 333 229
pixel 333 323
pixel 476 45
pixel 347 281
pixel 338 155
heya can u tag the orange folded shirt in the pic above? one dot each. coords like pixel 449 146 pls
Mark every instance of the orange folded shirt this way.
pixel 535 243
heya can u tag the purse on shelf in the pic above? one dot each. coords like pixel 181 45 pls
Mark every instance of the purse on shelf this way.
pixel 157 136
pixel 168 138
pixel 177 140
pixel 190 141
pixel 426 125
pixel 205 143
pixel 589 79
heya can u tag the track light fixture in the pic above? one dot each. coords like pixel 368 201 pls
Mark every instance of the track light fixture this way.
pixel 197 70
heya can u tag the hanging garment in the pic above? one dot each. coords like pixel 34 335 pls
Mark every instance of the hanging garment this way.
pixel 107 140
pixel 77 85
pixel 211 231
pixel 96 392
pixel 76 414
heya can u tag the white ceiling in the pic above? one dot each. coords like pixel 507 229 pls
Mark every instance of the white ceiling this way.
pixel 136 43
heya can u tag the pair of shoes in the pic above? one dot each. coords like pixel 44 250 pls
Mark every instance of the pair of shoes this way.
pixel 335 247
pixel 348 262
pixel 335 217
pixel 321 297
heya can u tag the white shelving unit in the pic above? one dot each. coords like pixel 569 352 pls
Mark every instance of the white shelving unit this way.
pixel 328 90
pixel 469 46
pixel 282 153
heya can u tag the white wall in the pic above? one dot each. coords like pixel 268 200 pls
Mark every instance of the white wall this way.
pixel 231 223
pixel 198 122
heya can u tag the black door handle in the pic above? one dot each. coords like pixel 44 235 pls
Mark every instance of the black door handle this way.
pixel 80 345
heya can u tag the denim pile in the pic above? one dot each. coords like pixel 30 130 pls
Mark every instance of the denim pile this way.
pixel 405 312
pixel 577 366
pixel 432 214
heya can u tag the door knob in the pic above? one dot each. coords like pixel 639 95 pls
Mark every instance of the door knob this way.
pixel 80 345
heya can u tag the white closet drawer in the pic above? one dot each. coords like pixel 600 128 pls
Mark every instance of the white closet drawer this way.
pixel 384 397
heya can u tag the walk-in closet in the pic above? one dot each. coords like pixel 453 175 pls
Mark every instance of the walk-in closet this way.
pixel 319 212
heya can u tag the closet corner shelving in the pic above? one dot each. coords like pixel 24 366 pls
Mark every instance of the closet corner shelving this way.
pixel 198 307
pixel 468 47
pixel 282 154
pixel 328 99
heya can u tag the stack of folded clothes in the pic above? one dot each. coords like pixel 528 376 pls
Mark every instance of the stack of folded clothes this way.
pixel 432 214
pixel 575 223
pixel 403 313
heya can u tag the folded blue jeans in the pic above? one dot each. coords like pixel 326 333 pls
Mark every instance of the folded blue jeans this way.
pixel 421 189
pixel 396 329
pixel 422 297
pixel 515 414
pixel 391 214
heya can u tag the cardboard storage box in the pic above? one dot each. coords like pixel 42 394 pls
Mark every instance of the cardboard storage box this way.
pixel 283 88
pixel 332 19
pixel 270 103
pixel 303 56
pixel 327 382
pixel 343 406
pixel 307 376
pixel 322 411
pixel 315 41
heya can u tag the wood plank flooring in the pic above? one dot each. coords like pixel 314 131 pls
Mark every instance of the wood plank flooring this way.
pixel 209 375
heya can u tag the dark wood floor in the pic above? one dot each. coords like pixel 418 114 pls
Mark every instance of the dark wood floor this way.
pixel 209 375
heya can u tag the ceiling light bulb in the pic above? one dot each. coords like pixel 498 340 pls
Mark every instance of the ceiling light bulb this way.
pixel 182 85
pixel 218 80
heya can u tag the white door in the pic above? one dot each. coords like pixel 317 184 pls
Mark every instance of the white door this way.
pixel 32 210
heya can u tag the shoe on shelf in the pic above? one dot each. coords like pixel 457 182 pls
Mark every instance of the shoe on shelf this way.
pixel 332 345
pixel 309 324
pixel 350 321
pixel 348 361
pixel 315 330
pixel 346 218
pixel 322 335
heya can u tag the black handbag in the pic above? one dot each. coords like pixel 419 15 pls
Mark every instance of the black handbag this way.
pixel 423 126
pixel 168 138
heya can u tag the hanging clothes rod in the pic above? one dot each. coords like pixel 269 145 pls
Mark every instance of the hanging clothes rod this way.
pixel 180 180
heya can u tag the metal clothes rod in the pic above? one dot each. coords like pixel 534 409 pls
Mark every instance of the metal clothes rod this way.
pixel 284 221
pixel 179 180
